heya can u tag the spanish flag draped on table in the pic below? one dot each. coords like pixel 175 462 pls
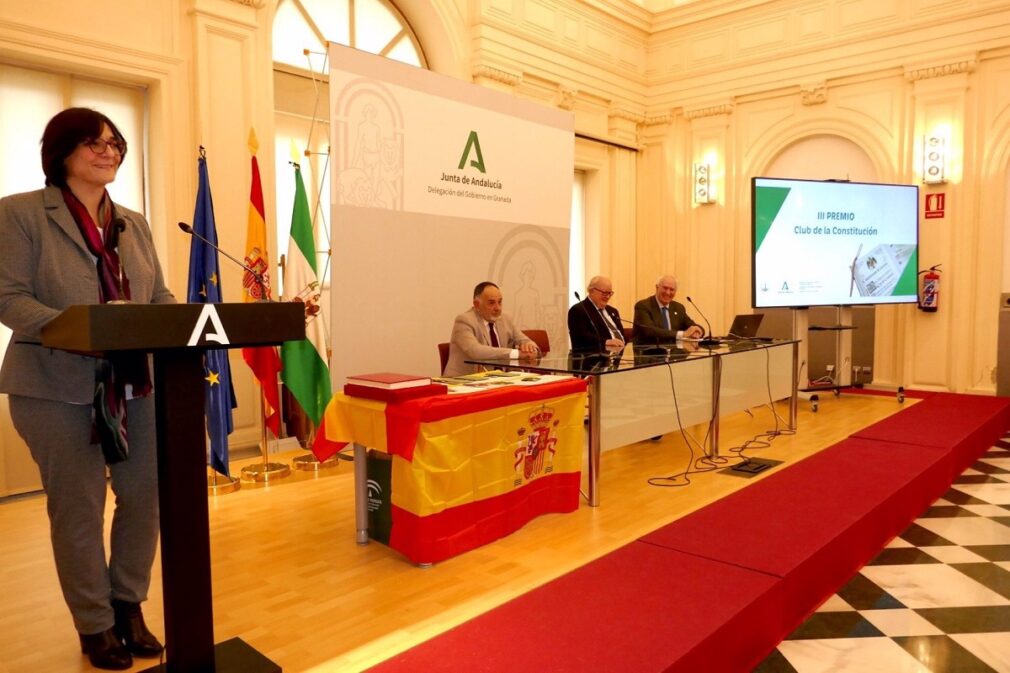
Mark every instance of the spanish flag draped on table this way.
pixel 470 468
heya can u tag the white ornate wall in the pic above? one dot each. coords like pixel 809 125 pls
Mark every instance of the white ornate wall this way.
pixel 741 82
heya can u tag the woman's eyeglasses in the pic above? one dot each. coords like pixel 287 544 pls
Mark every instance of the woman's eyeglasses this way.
pixel 99 145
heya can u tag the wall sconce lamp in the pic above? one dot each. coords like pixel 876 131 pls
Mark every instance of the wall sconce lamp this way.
pixel 703 184
pixel 934 160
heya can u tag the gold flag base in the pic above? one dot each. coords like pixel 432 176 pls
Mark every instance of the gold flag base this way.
pixel 310 463
pixel 265 472
pixel 219 484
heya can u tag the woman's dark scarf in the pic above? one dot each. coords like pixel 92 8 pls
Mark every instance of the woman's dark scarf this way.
pixel 116 370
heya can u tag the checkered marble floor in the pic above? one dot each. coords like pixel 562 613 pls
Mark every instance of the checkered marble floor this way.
pixel 936 600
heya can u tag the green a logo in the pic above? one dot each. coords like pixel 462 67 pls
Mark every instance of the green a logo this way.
pixel 472 142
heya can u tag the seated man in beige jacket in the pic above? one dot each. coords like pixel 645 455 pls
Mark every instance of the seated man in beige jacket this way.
pixel 484 332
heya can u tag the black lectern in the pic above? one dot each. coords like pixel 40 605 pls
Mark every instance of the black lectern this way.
pixel 177 335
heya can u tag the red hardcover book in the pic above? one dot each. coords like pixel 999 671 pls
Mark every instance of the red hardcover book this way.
pixel 389 381
pixel 399 395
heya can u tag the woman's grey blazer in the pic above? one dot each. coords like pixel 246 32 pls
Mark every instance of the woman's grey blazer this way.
pixel 46 267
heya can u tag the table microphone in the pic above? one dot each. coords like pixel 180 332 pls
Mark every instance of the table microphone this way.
pixel 709 341
pixel 256 274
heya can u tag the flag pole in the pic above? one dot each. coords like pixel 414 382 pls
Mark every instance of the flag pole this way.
pixel 265 471
pixel 263 361
pixel 203 287
pixel 306 364
pixel 309 462
pixel 220 484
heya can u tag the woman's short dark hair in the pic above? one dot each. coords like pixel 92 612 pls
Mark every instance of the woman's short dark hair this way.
pixel 64 133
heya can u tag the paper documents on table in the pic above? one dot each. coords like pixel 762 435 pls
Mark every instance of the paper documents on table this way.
pixel 471 383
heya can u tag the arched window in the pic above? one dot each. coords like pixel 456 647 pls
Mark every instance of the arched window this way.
pixel 374 26
pixel 301 91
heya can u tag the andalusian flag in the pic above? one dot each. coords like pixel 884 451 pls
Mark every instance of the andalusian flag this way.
pixel 205 288
pixel 306 363
pixel 264 361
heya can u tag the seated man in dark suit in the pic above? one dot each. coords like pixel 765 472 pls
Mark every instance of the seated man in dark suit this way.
pixel 593 324
pixel 484 333
pixel 660 319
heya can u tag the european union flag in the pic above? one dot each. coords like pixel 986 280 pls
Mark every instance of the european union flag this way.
pixel 205 288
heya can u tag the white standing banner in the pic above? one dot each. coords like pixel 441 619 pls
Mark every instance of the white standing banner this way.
pixel 437 185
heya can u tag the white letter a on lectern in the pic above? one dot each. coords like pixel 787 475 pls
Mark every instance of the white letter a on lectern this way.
pixel 209 313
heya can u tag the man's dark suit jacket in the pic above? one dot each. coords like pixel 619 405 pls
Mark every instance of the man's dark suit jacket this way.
pixel 649 327
pixel 586 327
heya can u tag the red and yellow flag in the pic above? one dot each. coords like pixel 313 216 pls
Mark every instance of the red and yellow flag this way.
pixel 264 361
pixel 468 469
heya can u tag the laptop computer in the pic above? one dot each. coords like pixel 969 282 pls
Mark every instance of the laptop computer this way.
pixel 745 326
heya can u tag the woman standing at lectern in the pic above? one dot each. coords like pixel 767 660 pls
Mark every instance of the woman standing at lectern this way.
pixel 63 245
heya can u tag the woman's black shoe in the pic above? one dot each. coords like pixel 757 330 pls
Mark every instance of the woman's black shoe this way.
pixel 131 628
pixel 106 651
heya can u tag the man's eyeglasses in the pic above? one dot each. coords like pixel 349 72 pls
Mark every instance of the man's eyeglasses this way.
pixel 603 293
pixel 99 145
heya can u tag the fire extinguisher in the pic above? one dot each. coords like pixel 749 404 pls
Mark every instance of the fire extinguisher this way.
pixel 929 289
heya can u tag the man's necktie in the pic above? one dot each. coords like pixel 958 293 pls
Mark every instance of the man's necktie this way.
pixel 614 332
pixel 494 335
pixel 666 316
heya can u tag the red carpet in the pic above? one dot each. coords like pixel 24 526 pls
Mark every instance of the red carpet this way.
pixel 964 424
pixel 815 524
pixel 635 609
pixel 718 589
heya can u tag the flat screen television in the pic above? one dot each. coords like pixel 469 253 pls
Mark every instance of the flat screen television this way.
pixel 827 243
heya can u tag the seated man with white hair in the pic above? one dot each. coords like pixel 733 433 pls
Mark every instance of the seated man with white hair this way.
pixel 593 324
pixel 660 319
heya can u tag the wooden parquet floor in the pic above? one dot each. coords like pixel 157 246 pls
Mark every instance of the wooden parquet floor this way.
pixel 290 580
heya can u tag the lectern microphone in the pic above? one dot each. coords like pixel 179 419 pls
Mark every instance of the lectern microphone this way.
pixel 256 274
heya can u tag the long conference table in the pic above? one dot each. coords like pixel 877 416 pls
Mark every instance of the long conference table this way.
pixel 640 393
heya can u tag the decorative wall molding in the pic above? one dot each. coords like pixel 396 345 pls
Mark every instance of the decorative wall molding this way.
pixel 571 40
pixel 497 74
pixel 655 129
pixel 709 110
pixel 236 12
pixel 658 118
pixel 814 93
pixel 622 112
pixel 955 66
pixel 627 12
pixel 565 97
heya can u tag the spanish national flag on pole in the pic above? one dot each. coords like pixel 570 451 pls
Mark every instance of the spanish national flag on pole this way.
pixel 264 361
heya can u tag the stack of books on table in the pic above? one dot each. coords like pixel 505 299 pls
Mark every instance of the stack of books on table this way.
pixel 389 387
